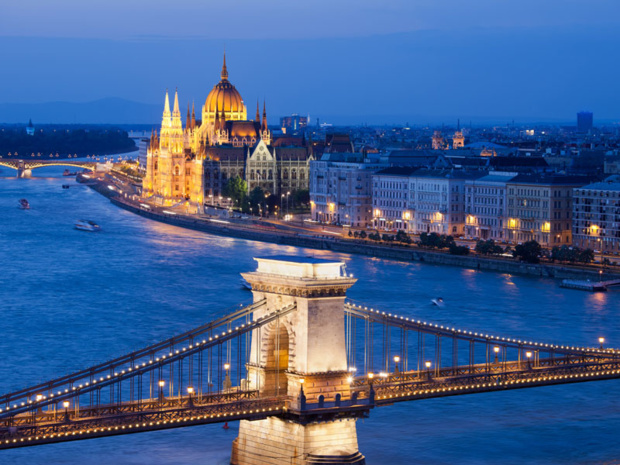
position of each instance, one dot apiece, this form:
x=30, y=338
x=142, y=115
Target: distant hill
x=103, y=111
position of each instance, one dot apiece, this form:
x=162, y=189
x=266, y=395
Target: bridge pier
x=22, y=170
x=301, y=355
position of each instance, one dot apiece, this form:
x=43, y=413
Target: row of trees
x=257, y=200
x=572, y=254
x=442, y=241
x=530, y=252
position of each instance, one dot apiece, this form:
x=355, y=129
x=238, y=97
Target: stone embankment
x=395, y=252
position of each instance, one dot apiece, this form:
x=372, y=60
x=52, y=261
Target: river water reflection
x=70, y=299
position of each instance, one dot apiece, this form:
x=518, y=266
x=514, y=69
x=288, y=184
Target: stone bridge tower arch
x=305, y=347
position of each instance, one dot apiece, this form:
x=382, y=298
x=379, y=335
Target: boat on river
x=86, y=225
x=23, y=204
x=69, y=173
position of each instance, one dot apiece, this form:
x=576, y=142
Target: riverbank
x=257, y=231
x=392, y=252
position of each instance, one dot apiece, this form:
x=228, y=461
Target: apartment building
x=540, y=208
x=596, y=216
x=485, y=206
x=341, y=190
x=418, y=200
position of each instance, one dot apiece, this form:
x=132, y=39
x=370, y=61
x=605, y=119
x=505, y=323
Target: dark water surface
x=70, y=299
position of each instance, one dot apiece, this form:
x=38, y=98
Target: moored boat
x=86, y=225
x=23, y=204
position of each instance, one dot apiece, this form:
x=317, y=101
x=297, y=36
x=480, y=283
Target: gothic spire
x=167, y=106
x=176, y=112
x=188, y=120
x=224, y=74
x=264, y=127
x=257, y=112
x=193, y=116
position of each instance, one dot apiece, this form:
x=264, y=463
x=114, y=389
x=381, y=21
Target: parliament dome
x=224, y=98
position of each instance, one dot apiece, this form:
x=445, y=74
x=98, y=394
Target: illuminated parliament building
x=193, y=163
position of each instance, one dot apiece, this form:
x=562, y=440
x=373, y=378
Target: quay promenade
x=272, y=234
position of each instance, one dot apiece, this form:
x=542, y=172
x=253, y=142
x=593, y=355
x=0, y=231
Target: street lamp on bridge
x=227, y=382
x=161, y=384
x=66, y=404
x=396, y=360
x=190, y=391
x=528, y=355
x=496, y=349
x=428, y=369
x=601, y=341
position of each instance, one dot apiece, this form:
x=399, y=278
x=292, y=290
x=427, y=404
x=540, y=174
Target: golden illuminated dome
x=224, y=98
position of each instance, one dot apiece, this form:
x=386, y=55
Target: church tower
x=438, y=142
x=458, y=141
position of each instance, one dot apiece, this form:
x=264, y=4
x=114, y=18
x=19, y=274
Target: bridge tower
x=303, y=352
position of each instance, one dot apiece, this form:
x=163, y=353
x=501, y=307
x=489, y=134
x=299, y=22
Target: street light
x=528, y=355
x=496, y=350
x=190, y=391
x=428, y=368
x=161, y=384
x=281, y=200
x=227, y=382
x=396, y=360
x=601, y=341
x=66, y=404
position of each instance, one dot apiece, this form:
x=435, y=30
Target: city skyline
x=405, y=62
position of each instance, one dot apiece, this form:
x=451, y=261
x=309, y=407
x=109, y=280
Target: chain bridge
x=25, y=167
x=298, y=367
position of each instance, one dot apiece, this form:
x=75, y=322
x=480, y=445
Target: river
x=71, y=299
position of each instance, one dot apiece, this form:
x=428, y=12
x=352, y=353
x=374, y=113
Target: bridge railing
x=379, y=342
x=181, y=365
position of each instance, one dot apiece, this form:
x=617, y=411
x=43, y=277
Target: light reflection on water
x=70, y=299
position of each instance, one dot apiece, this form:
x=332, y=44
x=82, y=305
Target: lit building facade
x=341, y=189
x=420, y=201
x=485, y=206
x=596, y=216
x=540, y=208
x=390, y=193
x=192, y=163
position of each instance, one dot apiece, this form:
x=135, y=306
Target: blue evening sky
x=391, y=60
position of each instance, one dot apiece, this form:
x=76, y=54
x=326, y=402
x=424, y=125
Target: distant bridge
x=24, y=167
x=278, y=360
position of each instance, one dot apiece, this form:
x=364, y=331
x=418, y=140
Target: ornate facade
x=193, y=163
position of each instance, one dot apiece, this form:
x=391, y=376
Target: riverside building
x=540, y=208
x=419, y=200
x=341, y=189
x=485, y=206
x=596, y=216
